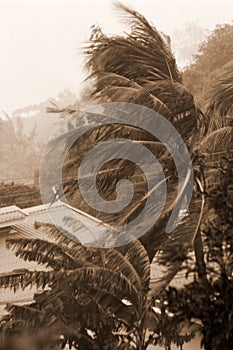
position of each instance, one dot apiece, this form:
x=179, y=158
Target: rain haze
x=41, y=41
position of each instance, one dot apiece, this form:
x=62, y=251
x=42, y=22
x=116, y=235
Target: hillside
x=23, y=136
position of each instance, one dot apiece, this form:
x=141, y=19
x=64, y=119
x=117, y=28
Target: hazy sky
x=40, y=39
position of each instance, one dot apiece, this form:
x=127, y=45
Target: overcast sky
x=40, y=39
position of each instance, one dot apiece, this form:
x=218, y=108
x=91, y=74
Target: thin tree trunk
x=199, y=255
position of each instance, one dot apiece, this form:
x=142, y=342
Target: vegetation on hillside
x=23, y=136
x=215, y=52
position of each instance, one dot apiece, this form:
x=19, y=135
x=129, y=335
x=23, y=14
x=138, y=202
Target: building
x=20, y=223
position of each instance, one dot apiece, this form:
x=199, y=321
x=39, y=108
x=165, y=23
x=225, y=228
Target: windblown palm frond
x=148, y=49
x=215, y=150
x=220, y=96
x=116, y=170
x=174, y=248
x=107, y=270
x=137, y=255
x=218, y=142
x=25, y=278
x=139, y=67
x=43, y=252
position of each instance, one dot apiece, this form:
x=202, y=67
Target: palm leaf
x=220, y=96
x=138, y=67
x=24, y=278
x=42, y=252
x=108, y=281
x=138, y=258
x=215, y=150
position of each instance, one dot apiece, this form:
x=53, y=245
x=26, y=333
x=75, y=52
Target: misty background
x=42, y=62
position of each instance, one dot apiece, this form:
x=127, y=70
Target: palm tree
x=102, y=291
x=95, y=299
x=151, y=79
x=140, y=68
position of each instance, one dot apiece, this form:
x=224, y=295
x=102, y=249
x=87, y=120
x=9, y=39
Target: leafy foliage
x=213, y=54
x=95, y=298
x=209, y=301
x=139, y=67
x=84, y=289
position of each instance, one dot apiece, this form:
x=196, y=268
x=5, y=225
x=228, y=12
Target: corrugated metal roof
x=10, y=215
x=79, y=225
x=23, y=226
x=20, y=297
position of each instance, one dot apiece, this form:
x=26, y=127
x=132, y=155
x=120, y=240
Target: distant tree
x=214, y=53
x=19, y=152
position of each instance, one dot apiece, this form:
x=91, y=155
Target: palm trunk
x=199, y=255
x=140, y=336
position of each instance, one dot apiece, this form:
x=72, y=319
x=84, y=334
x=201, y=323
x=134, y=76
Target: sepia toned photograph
x=116, y=175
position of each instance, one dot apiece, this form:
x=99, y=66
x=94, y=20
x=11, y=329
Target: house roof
x=20, y=297
x=77, y=224
x=22, y=225
x=11, y=215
